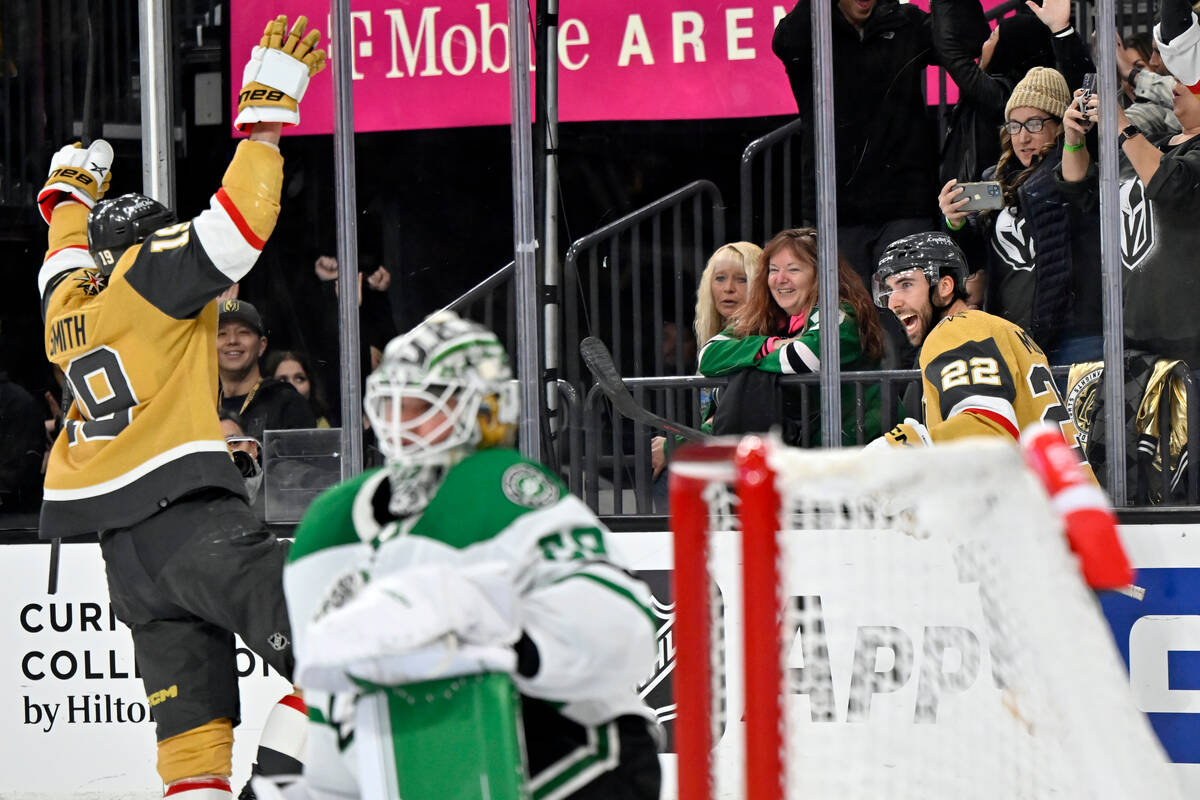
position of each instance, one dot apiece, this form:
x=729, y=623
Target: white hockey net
x=933, y=638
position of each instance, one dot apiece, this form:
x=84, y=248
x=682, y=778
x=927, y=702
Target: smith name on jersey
x=139, y=352
x=590, y=618
x=984, y=376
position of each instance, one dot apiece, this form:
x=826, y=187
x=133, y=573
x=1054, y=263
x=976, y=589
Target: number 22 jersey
x=984, y=376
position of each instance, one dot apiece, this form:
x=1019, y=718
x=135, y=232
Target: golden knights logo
x=1083, y=396
x=1137, y=223
x=91, y=282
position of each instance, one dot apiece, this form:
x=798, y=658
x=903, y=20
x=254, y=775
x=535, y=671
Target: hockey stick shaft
x=52, y=578
x=599, y=360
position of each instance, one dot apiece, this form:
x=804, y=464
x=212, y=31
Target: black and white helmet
x=442, y=391
x=935, y=254
x=118, y=224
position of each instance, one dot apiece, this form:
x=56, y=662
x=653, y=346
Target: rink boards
x=79, y=705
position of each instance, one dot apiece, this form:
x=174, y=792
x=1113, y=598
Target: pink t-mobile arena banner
x=436, y=64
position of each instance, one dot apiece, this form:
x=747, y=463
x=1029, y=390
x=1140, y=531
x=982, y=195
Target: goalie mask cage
x=913, y=625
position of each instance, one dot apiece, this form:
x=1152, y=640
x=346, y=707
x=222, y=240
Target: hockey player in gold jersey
x=981, y=375
x=128, y=298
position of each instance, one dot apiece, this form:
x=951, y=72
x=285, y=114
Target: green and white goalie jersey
x=589, y=618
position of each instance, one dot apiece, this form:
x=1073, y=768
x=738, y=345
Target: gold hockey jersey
x=139, y=352
x=984, y=376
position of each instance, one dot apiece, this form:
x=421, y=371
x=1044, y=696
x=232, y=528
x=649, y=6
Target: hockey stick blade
x=595, y=354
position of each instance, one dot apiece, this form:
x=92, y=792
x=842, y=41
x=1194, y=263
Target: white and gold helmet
x=442, y=391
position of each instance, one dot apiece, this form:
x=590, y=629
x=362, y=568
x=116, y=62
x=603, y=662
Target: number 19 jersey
x=139, y=352
x=984, y=376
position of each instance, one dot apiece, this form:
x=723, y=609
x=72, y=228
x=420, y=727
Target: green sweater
x=724, y=354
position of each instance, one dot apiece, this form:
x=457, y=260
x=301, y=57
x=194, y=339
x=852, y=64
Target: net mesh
x=937, y=641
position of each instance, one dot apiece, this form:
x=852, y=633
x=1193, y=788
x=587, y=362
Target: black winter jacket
x=973, y=128
x=276, y=404
x=886, y=143
x=1066, y=241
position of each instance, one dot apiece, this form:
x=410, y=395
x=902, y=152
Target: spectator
x=1160, y=223
x=292, y=366
x=1146, y=48
x=1042, y=253
x=1017, y=44
x=720, y=294
x=247, y=456
x=1148, y=95
x=263, y=403
x=376, y=326
x=22, y=445
x=778, y=331
x=886, y=147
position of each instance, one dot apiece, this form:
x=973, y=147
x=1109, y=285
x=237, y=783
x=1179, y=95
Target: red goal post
x=1033, y=696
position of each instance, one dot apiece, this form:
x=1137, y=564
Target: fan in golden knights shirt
x=981, y=375
x=128, y=298
x=463, y=567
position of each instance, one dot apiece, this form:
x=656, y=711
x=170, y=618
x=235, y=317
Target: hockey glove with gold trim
x=76, y=174
x=909, y=433
x=276, y=77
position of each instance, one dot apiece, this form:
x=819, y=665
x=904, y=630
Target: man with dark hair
x=129, y=301
x=981, y=375
x=886, y=145
x=263, y=403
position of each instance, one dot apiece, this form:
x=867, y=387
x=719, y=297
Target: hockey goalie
x=461, y=626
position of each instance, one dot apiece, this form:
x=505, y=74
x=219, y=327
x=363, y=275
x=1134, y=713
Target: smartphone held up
x=981, y=196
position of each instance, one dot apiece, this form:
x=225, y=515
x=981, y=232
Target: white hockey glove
x=909, y=433
x=415, y=624
x=276, y=77
x=76, y=173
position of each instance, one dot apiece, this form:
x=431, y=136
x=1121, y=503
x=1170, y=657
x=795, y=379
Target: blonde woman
x=719, y=295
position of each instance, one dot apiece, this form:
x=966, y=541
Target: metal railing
x=491, y=303
x=616, y=467
x=658, y=250
x=617, y=474
x=765, y=188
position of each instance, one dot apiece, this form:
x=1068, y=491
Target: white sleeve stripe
x=807, y=357
x=994, y=404
x=65, y=260
x=223, y=242
x=720, y=337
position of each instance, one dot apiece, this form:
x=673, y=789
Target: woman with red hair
x=778, y=331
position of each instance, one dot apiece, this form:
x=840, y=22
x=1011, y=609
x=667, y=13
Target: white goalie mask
x=442, y=391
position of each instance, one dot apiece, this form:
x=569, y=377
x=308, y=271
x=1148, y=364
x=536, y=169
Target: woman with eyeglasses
x=1041, y=253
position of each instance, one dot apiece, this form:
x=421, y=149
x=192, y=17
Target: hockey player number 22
x=979, y=370
x=1041, y=382
x=103, y=393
